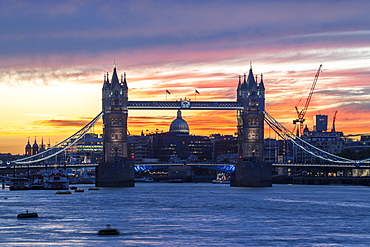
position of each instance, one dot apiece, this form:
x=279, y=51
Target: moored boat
x=94, y=188
x=55, y=179
x=84, y=175
x=36, y=182
x=221, y=179
x=19, y=183
x=63, y=192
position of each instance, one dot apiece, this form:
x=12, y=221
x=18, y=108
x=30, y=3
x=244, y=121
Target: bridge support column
x=252, y=174
x=251, y=170
x=116, y=174
x=116, y=170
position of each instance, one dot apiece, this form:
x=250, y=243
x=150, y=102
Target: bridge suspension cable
x=285, y=134
x=60, y=147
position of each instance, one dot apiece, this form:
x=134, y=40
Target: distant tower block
x=116, y=170
x=320, y=123
x=251, y=171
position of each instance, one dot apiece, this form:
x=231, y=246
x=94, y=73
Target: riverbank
x=323, y=180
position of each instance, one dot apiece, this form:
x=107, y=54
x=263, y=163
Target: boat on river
x=19, y=183
x=84, y=175
x=27, y=215
x=108, y=231
x=55, y=179
x=221, y=179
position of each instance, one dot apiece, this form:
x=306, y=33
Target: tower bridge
x=117, y=168
x=250, y=105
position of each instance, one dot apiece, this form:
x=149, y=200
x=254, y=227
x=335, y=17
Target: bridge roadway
x=198, y=164
x=96, y=164
x=338, y=165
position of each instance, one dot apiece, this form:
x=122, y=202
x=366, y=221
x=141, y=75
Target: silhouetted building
x=179, y=145
x=88, y=149
x=35, y=148
x=28, y=148
x=225, y=147
x=320, y=123
x=138, y=146
x=331, y=141
x=42, y=146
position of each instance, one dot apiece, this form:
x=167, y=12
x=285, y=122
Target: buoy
x=108, y=231
x=28, y=215
x=63, y=192
x=94, y=188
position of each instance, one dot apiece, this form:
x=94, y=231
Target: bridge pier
x=115, y=174
x=252, y=174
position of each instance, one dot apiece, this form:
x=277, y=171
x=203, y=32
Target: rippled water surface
x=160, y=214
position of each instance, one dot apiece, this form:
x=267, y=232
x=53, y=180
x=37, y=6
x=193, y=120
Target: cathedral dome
x=179, y=125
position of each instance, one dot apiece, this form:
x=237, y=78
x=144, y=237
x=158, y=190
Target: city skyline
x=55, y=56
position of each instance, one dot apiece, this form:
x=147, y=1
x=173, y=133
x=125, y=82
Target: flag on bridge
x=168, y=91
x=196, y=91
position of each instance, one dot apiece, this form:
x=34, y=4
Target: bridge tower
x=116, y=169
x=251, y=171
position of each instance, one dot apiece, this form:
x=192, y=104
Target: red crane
x=300, y=114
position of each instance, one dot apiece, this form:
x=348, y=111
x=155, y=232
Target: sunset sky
x=54, y=54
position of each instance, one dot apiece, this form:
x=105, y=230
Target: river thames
x=189, y=214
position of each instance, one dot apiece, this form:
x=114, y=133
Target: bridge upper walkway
x=185, y=104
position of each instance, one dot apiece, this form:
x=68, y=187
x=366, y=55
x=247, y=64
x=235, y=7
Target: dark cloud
x=34, y=27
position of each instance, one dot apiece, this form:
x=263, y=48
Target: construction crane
x=298, y=123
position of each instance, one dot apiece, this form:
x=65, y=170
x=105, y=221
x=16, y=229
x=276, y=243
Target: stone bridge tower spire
x=117, y=169
x=251, y=169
